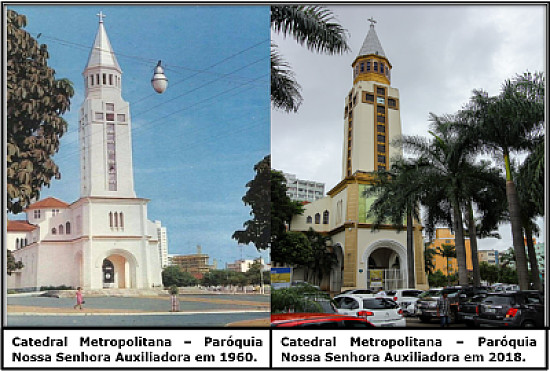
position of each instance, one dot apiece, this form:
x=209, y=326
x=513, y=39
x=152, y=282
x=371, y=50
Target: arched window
x=309, y=220
x=111, y=219
x=17, y=244
x=325, y=217
x=60, y=228
x=54, y=231
x=25, y=240
x=121, y=216
x=317, y=218
x=68, y=228
x=116, y=219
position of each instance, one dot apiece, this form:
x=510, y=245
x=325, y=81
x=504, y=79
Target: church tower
x=366, y=258
x=371, y=112
x=105, y=126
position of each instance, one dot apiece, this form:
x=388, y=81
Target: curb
x=133, y=313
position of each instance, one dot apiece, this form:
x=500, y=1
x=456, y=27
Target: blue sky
x=195, y=146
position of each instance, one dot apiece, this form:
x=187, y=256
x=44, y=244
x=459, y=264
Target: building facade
x=371, y=122
x=303, y=190
x=243, y=265
x=444, y=236
x=104, y=239
x=488, y=256
x=196, y=264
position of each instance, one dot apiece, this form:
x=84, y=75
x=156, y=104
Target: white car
x=380, y=311
x=406, y=298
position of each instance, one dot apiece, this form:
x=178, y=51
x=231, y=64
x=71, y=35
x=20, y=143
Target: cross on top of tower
x=101, y=16
x=372, y=21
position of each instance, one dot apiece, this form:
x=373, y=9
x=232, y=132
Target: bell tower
x=371, y=114
x=106, y=168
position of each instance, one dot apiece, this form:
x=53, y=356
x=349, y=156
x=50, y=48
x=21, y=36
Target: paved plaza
x=195, y=310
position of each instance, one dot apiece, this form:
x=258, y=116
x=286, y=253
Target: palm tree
x=507, y=123
x=310, y=25
x=429, y=254
x=447, y=251
x=398, y=195
x=531, y=196
x=447, y=178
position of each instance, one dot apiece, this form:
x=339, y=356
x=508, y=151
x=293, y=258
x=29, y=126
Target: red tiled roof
x=20, y=226
x=49, y=203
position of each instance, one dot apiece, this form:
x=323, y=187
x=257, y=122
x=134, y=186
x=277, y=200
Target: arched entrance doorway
x=118, y=270
x=386, y=265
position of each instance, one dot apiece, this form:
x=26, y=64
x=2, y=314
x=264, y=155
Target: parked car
x=505, y=288
x=380, y=311
x=468, y=309
x=357, y=292
x=406, y=298
x=318, y=320
x=512, y=309
x=426, y=305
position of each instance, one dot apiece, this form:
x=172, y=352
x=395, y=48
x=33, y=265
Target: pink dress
x=78, y=298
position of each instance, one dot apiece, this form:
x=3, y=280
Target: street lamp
x=159, y=80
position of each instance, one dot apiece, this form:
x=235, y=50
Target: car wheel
x=424, y=319
x=528, y=324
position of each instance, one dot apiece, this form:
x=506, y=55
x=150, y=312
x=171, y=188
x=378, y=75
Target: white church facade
x=104, y=239
x=366, y=259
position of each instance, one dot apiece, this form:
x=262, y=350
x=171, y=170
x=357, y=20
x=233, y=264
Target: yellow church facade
x=444, y=236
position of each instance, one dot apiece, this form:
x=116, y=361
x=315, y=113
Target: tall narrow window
x=110, y=79
x=97, y=79
x=376, y=66
x=116, y=219
x=309, y=219
x=317, y=218
x=17, y=244
x=54, y=231
x=362, y=67
x=104, y=79
x=368, y=66
x=61, y=229
x=68, y=228
x=92, y=80
x=325, y=217
x=121, y=216
x=111, y=219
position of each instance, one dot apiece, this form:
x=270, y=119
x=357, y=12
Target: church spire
x=102, y=54
x=372, y=44
x=371, y=64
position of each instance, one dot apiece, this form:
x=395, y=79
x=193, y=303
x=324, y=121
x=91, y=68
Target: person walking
x=444, y=310
x=79, y=300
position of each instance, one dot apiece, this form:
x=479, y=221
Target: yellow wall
x=444, y=236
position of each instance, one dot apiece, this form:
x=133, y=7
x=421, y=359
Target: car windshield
x=430, y=293
x=498, y=300
x=379, y=303
x=450, y=292
x=411, y=293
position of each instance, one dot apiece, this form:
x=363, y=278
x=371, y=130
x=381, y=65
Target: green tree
x=398, y=194
x=530, y=187
x=312, y=26
x=296, y=299
x=438, y=279
x=444, y=184
x=508, y=123
x=447, y=251
x=173, y=275
x=35, y=101
x=257, y=230
x=429, y=255
x=323, y=259
x=11, y=264
x=489, y=272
